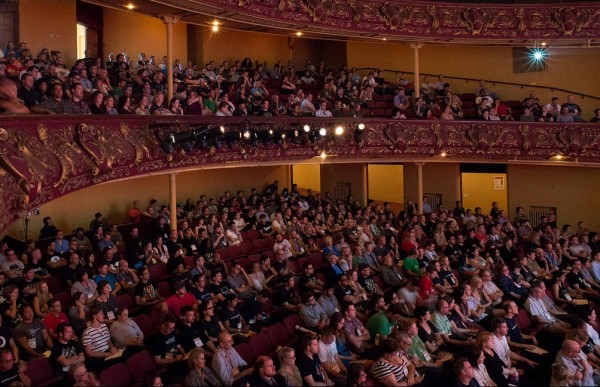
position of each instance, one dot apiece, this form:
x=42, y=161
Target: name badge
x=568, y=297
x=426, y=356
x=193, y=247
x=32, y=343
x=198, y=343
x=110, y=315
x=239, y=325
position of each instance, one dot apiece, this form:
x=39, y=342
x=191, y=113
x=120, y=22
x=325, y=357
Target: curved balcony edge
x=43, y=158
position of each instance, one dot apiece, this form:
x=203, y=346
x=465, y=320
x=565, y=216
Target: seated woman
x=125, y=332
x=392, y=368
x=78, y=313
x=200, y=374
x=106, y=301
x=499, y=372
x=175, y=107
x=96, y=107
x=40, y=300
x=158, y=108
x=194, y=104
x=124, y=106
x=142, y=108
x=447, y=114
x=288, y=369
x=85, y=285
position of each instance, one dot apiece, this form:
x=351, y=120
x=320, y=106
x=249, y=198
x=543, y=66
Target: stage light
x=222, y=129
x=246, y=135
x=323, y=132
x=538, y=54
x=361, y=126
x=339, y=130
x=306, y=128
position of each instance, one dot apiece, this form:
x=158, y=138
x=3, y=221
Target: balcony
x=43, y=157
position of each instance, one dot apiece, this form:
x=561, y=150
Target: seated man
x=265, y=374
x=96, y=339
x=227, y=364
x=13, y=267
x=308, y=363
x=167, y=349
x=311, y=313
x=54, y=318
x=536, y=307
x=66, y=350
x=180, y=299
x=231, y=316
x=308, y=280
x=192, y=334
x=31, y=335
x=127, y=277
x=329, y=357
x=12, y=371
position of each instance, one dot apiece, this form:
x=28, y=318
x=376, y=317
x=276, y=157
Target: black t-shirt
x=8, y=377
x=203, y=296
x=9, y=323
x=188, y=335
x=310, y=366
x=341, y=292
x=305, y=279
x=67, y=350
x=233, y=316
x=251, y=308
x=264, y=227
x=513, y=330
x=285, y=295
x=446, y=275
x=575, y=279
x=211, y=327
x=165, y=344
x=28, y=285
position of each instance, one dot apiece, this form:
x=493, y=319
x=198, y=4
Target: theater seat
x=141, y=365
x=260, y=344
x=246, y=353
x=41, y=374
x=116, y=375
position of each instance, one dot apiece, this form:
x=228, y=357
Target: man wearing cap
x=180, y=299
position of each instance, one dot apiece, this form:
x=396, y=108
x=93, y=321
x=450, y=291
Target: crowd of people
x=44, y=84
x=424, y=297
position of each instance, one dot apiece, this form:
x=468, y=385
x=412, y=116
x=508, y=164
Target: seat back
x=125, y=300
x=246, y=353
x=39, y=371
x=290, y=323
x=145, y=324
x=277, y=335
x=260, y=344
x=141, y=365
x=157, y=272
x=115, y=375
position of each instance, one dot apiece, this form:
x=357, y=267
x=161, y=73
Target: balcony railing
x=43, y=158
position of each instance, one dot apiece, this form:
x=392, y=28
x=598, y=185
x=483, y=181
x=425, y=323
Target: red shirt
x=426, y=287
x=51, y=321
x=175, y=303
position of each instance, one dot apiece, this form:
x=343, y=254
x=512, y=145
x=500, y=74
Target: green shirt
x=417, y=348
x=411, y=264
x=379, y=324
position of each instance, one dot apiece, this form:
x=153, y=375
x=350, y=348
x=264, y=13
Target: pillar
x=173, y=200
x=417, y=83
x=169, y=21
x=420, y=186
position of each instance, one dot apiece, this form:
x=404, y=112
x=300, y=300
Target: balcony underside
x=43, y=158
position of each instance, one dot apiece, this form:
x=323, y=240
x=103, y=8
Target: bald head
x=570, y=348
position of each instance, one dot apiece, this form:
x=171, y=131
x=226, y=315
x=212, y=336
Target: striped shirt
x=97, y=338
x=382, y=369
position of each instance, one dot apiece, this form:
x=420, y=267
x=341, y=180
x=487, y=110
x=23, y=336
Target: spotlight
x=222, y=129
x=339, y=130
x=168, y=144
x=323, y=132
x=538, y=54
x=215, y=26
x=323, y=155
x=130, y=6
x=299, y=33
x=306, y=128
x=246, y=135
x=361, y=126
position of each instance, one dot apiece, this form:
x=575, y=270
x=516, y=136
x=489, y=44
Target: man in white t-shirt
x=329, y=357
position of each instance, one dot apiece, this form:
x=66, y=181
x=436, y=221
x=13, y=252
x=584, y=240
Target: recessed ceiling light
x=299, y=33
x=130, y=6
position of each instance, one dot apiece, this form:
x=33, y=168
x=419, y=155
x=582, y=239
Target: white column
x=420, y=186
x=417, y=83
x=169, y=21
x=173, y=200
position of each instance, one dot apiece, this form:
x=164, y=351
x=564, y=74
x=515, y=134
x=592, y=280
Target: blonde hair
x=43, y=298
x=283, y=353
x=193, y=358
